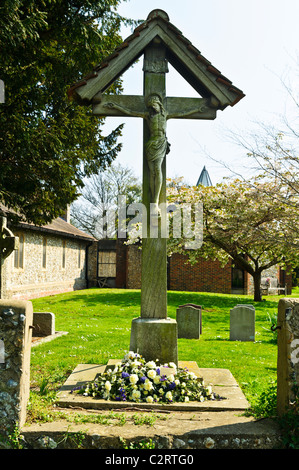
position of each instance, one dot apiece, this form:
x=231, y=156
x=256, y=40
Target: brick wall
x=133, y=267
x=121, y=265
x=204, y=276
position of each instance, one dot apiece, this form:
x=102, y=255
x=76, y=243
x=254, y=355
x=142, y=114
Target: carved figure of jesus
x=157, y=146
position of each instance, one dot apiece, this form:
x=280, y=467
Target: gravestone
x=189, y=320
x=242, y=323
x=43, y=324
x=16, y=335
x=154, y=334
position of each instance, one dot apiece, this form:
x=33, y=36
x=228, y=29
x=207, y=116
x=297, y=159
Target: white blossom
x=148, y=385
x=108, y=385
x=151, y=365
x=133, y=378
x=151, y=374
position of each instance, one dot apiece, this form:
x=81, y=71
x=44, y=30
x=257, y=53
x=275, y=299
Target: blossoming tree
x=246, y=222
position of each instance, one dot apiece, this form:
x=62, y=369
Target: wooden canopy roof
x=181, y=54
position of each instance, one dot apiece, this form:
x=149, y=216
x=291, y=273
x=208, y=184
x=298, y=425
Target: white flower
x=157, y=379
x=108, y=385
x=130, y=355
x=135, y=363
x=177, y=382
x=192, y=375
x=136, y=395
x=149, y=399
x=168, y=396
x=148, y=385
x=133, y=379
x=170, y=378
x=186, y=399
x=151, y=374
x=172, y=364
x=151, y=365
x=161, y=391
x=209, y=390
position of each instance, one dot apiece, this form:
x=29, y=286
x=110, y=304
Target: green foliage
x=264, y=404
x=48, y=144
x=272, y=321
x=150, y=444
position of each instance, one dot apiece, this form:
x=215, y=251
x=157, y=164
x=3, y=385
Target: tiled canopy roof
x=181, y=53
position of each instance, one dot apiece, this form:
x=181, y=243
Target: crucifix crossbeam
x=153, y=334
x=135, y=106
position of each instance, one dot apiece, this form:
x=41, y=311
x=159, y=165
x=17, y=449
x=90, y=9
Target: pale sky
x=253, y=43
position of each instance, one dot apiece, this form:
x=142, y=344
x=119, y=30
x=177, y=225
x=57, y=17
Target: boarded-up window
x=44, y=252
x=79, y=256
x=19, y=253
x=107, y=264
x=63, y=253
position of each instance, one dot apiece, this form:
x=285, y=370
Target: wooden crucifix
x=153, y=334
x=155, y=108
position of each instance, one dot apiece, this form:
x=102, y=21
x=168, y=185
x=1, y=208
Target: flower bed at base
x=134, y=379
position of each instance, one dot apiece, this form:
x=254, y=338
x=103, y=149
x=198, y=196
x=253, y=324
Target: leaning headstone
x=43, y=324
x=242, y=323
x=15, y=334
x=189, y=321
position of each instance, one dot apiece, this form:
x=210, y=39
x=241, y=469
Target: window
x=79, y=256
x=19, y=253
x=237, y=278
x=44, y=252
x=107, y=264
x=63, y=253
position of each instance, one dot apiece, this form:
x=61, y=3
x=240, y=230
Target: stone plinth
x=155, y=339
x=221, y=380
x=288, y=354
x=242, y=323
x=16, y=336
x=189, y=321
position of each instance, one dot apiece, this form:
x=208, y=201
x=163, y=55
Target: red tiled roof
x=161, y=16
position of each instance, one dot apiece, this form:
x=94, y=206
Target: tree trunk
x=257, y=286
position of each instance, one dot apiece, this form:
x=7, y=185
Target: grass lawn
x=98, y=322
